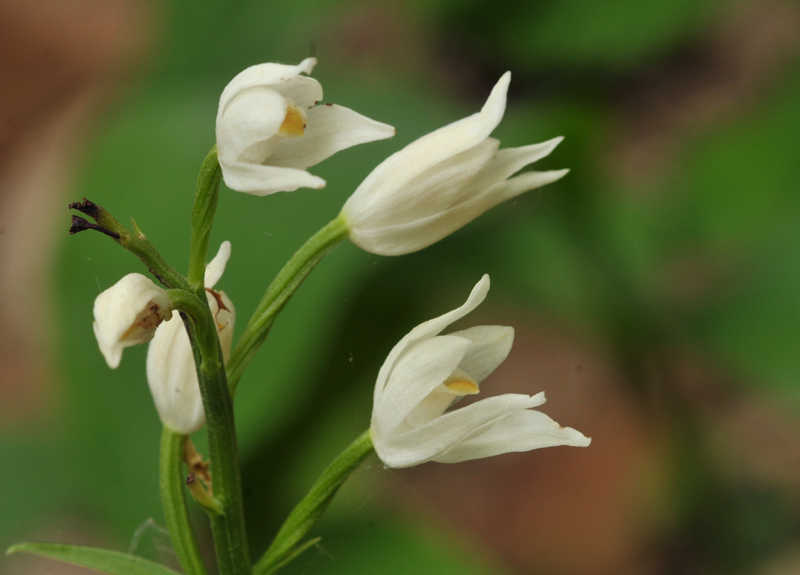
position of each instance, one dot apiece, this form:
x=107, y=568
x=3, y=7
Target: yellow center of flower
x=294, y=123
x=461, y=384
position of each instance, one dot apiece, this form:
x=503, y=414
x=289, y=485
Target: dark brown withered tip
x=87, y=207
x=80, y=224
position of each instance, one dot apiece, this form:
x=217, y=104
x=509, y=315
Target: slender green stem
x=278, y=293
x=173, y=498
x=135, y=242
x=227, y=526
x=203, y=211
x=310, y=509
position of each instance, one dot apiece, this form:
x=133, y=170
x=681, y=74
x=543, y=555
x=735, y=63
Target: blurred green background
x=654, y=289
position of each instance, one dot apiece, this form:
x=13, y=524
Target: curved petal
x=432, y=440
x=305, y=92
x=518, y=431
x=262, y=75
x=127, y=314
x=491, y=345
x=423, y=367
x=172, y=378
x=330, y=128
x=428, y=329
x=434, y=405
x=216, y=267
x=254, y=117
x=431, y=149
x=261, y=180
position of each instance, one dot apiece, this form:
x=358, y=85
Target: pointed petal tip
x=496, y=102
x=307, y=65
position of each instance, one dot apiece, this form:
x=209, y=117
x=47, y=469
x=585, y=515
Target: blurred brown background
x=654, y=290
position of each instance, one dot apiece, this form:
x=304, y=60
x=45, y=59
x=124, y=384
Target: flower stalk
x=173, y=499
x=135, y=242
x=305, y=515
x=278, y=293
x=203, y=212
x=230, y=540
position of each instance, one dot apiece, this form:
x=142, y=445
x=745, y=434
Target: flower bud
x=442, y=181
x=127, y=314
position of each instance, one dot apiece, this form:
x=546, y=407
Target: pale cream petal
x=262, y=75
x=518, y=431
x=511, y=160
x=525, y=182
x=414, y=235
x=422, y=368
x=127, y=314
x=172, y=378
x=330, y=129
x=429, y=329
x=433, y=191
x=253, y=118
x=263, y=180
x=216, y=267
x=491, y=345
x=434, y=405
x=434, y=439
x=428, y=151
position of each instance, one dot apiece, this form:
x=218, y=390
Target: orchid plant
x=270, y=129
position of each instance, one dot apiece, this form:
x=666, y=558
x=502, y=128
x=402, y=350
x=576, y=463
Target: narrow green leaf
x=103, y=560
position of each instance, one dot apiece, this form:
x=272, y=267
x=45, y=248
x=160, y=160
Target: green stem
x=313, y=505
x=135, y=242
x=227, y=526
x=173, y=498
x=203, y=211
x=278, y=293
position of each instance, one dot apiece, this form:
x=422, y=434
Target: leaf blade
x=103, y=560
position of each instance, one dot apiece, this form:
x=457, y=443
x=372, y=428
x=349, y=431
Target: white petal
x=420, y=370
x=429, y=193
x=330, y=129
x=429, y=150
x=429, y=329
x=491, y=345
x=415, y=235
x=432, y=440
x=263, y=75
x=518, y=431
x=511, y=160
x=263, y=180
x=216, y=267
x=434, y=405
x=173, y=380
x=127, y=314
x=524, y=183
x=248, y=130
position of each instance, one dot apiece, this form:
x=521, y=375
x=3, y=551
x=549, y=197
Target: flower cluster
x=270, y=129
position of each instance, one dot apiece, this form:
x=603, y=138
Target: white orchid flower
x=127, y=314
x=171, y=371
x=270, y=129
x=425, y=373
x=442, y=181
